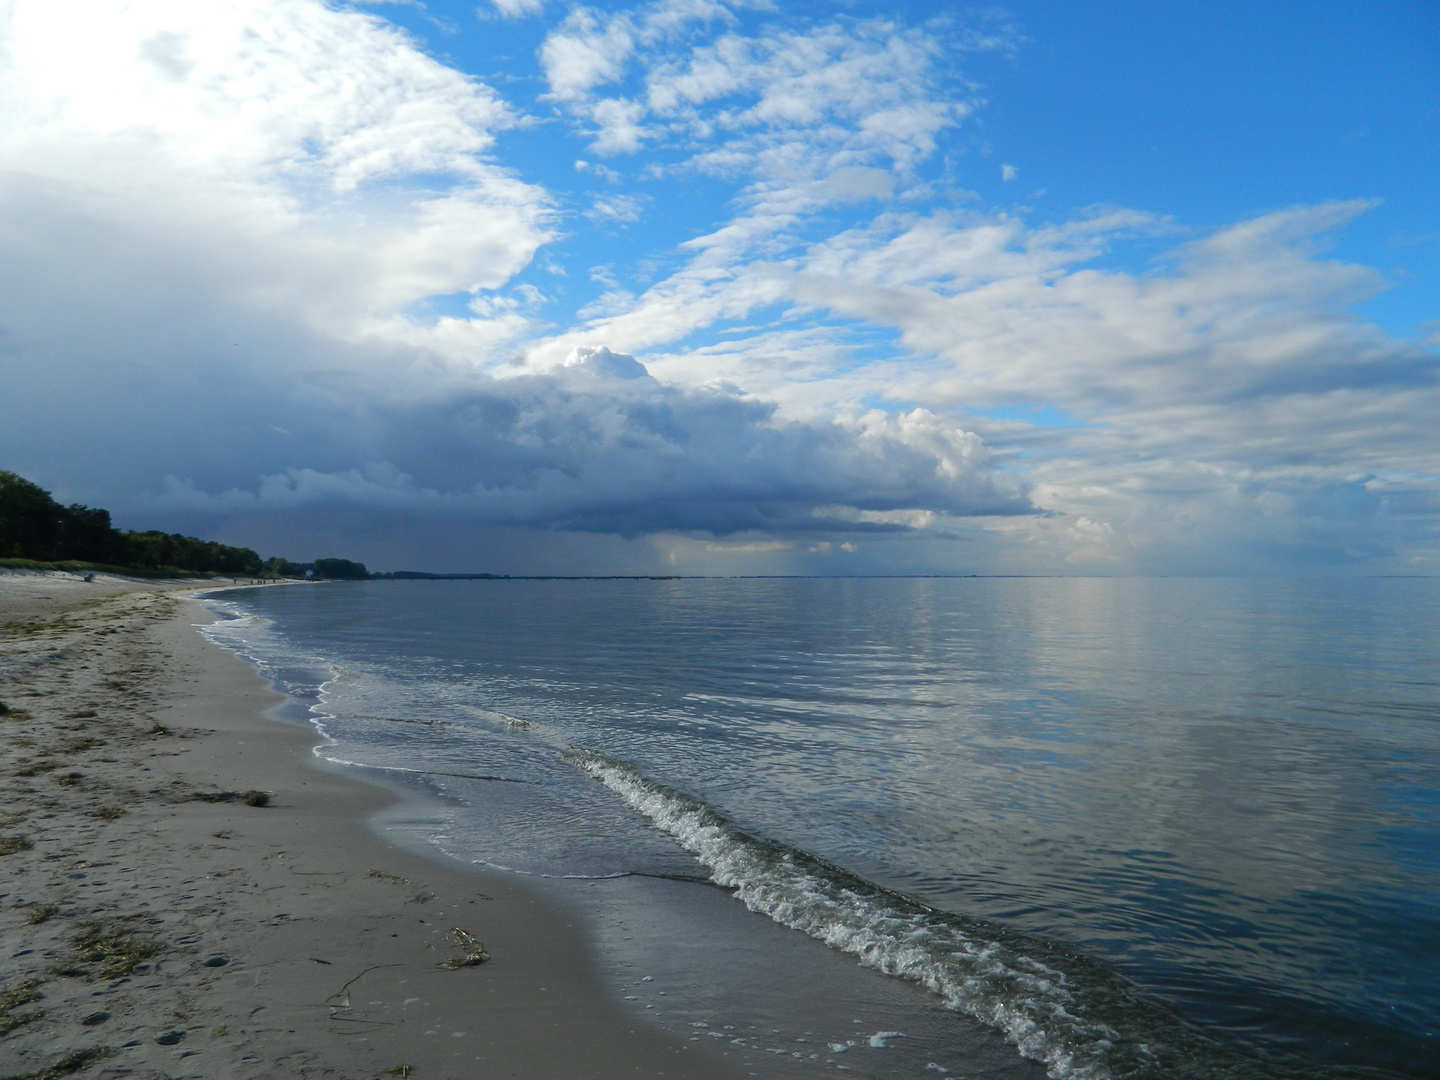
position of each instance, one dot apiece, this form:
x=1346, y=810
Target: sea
x=1099, y=828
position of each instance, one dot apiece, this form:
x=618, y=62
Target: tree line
x=33, y=526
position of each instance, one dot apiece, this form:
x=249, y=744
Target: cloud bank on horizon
x=680, y=285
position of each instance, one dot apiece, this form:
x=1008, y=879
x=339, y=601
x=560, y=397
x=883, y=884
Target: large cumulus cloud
x=599, y=445
x=217, y=221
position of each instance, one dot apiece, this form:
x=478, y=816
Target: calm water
x=1143, y=828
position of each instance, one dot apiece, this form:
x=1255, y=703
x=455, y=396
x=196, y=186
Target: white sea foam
x=250, y=637
x=982, y=971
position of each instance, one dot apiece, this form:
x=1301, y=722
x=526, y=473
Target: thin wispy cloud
x=518, y=9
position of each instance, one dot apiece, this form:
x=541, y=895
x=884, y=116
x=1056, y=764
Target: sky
x=697, y=287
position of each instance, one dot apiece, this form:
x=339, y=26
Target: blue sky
x=733, y=288
x=1207, y=113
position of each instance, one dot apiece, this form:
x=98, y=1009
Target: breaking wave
x=1080, y=1018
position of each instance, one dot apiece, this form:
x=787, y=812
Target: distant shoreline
x=415, y=575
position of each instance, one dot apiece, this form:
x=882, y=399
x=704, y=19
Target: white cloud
x=588, y=50
x=518, y=9
x=265, y=89
x=1239, y=314
x=604, y=172
x=750, y=547
x=861, y=94
x=621, y=209
x=620, y=130
x=802, y=119
x=278, y=142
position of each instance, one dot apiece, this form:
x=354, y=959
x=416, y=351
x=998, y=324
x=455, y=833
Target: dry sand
x=155, y=925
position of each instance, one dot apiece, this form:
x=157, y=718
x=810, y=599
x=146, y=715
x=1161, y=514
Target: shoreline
x=683, y=952
x=157, y=924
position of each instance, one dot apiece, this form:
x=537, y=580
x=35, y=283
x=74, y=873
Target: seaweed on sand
x=249, y=798
x=12, y=1000
x=473, y=951
x=70, y=1063
x=114, y=949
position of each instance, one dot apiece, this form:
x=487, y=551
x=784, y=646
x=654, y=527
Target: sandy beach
x=184, y=892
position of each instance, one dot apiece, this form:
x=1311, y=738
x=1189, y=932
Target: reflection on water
x=1224, y=788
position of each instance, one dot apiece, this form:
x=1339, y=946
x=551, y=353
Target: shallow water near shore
x=1128, y=828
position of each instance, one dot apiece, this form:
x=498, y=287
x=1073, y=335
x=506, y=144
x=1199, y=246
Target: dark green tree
x=34, y=526
x=29, y=520
x=339, y=568
x=155, y=549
